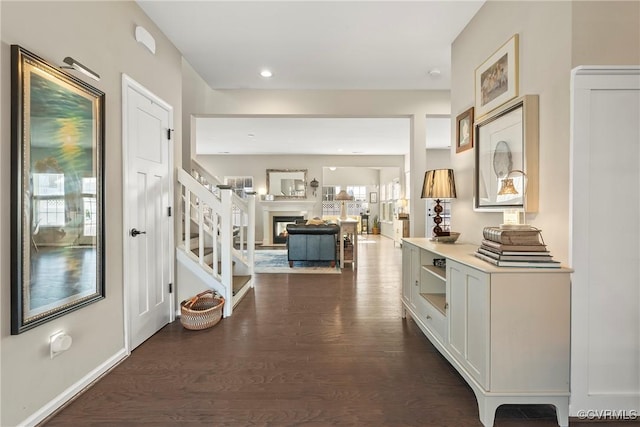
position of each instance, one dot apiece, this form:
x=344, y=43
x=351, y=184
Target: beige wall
x=545, y=66
x=100, y=35
x=554, y=38
x=606, y=32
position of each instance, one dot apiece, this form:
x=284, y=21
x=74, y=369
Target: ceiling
x=372, y=45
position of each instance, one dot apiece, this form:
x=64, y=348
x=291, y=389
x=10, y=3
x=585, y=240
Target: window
x=48, y=194
x=332, y=207
x=89, y=206
x=359, y=193
x=239, y=184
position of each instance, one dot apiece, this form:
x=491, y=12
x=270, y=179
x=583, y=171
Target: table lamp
x=438, y=184
x=511, y=218
x=343, y=196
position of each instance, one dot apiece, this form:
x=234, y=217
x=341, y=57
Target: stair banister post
x=226, y=239
x=187, y=219
x=201, y=232
x=251, y=232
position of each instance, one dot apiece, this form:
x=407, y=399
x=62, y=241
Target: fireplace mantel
x=281, y=208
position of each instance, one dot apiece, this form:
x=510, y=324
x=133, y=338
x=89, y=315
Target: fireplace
x=280, y=227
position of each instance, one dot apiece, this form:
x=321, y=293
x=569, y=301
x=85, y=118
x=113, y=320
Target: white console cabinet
x=506, y=330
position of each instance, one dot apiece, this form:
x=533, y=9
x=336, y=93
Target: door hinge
x=169, y=134
x=169, y=210
x=170, y=288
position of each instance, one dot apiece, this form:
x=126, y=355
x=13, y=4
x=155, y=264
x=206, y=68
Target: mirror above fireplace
x=287, y=183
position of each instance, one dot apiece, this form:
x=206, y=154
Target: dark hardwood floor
x=300, y=350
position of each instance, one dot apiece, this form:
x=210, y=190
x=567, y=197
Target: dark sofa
x=312, y=243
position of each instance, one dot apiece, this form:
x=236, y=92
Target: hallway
x=304, y=350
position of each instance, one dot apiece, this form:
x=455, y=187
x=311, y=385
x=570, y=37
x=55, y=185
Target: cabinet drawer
x=432, y=318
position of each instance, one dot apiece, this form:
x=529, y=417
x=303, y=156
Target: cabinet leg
x=487, y=411
x=562, y=413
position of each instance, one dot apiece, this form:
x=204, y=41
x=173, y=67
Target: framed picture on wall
x=464, y=131
x=496, y=79
x=57, y=192
x=507, y=148
x=373, y=197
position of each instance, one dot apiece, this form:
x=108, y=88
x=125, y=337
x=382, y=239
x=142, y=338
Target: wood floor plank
x=300, y=350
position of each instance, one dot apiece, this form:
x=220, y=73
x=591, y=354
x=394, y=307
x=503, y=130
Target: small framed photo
x=496, y=80
x=464, y=131
x=373, y=197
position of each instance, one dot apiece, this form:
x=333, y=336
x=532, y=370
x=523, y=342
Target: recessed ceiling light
x=434, y=72
x=266, y=73
x=251, y=135
x=332, y=168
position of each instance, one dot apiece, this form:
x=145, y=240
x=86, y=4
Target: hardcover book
x=522, y=264
x=512, y=237
x=517, y=256
x=514, y=248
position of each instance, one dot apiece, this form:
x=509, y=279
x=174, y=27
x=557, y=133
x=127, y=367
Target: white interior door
x=148, y=254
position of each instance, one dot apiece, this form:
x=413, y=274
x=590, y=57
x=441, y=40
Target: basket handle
x=194, y=299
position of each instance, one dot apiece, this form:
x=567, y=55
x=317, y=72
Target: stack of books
x=515, y=248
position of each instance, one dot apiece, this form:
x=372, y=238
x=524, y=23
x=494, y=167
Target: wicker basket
x=202, y=311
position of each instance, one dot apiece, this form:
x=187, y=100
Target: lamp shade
x=439, y=184
x=343, y=195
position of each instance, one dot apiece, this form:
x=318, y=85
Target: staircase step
x=207, y=251
x=239, y=282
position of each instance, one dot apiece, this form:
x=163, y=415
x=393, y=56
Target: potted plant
x=375, y=228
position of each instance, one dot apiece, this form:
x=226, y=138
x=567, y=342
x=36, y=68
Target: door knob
x=135, y=232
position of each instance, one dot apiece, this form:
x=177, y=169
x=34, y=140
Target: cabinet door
x=406, y=272
x=410, y=274
x=468, y=292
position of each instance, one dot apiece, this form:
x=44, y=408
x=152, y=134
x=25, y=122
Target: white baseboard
x=72, y=391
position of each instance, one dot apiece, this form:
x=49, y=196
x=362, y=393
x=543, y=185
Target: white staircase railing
x=218, y=235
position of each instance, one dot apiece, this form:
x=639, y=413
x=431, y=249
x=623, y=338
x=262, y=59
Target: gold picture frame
x=464, y=131
x=496, y=79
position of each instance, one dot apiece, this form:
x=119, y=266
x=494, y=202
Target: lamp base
x=343, y=211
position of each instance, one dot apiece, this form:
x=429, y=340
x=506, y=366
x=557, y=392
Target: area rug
x=275, y=261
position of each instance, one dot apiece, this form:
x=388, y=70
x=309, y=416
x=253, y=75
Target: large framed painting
x=496, y=80
x=507, y=147
x=57, y=192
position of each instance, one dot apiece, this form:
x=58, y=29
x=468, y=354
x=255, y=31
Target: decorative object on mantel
x=438, y=184
x=314, y=184
x=343, y=196
x=515, y=248
x=497, y=78
x=514, y=218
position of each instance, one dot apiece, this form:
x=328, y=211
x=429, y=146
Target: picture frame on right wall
x=507, y=142
x=464, y=131
x=496, y=79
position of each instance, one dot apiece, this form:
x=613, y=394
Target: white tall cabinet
x=505, y=330
x=605, y=241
